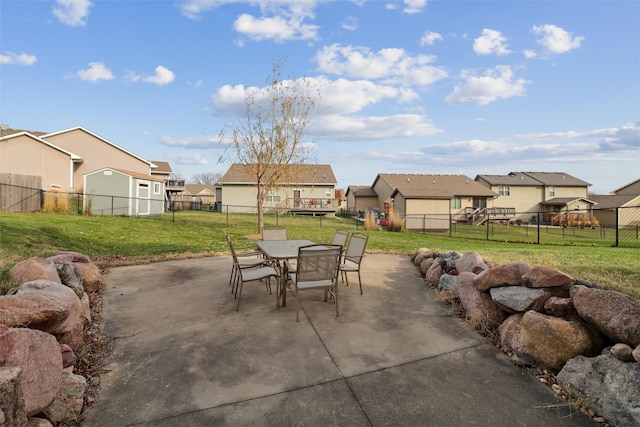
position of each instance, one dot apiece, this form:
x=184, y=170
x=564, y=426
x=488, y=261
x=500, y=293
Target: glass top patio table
x=282, y=250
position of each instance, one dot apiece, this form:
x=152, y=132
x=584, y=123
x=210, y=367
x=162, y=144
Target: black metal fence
x=618, y=226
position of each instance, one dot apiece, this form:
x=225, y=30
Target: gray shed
x=110, y=191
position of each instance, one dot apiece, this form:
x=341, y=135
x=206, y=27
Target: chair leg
x=336, y=297
x=360, y=281
x=297, y=305
x=239, y=296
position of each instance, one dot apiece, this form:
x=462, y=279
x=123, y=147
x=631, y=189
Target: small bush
x=55, y=203
x=396, y=224
x=371, y=223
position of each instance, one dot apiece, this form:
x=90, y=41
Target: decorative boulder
x=607, y=385
x=69, y=256
x=470, y=261
x=503, y=275
x=12, y=412
x=432, y=277
x=517, y=299
x=70, y=276
x=91, y=277
x=48, y=306
x=560, y=307
x=545, y=277
x=67, y=404
x=477, y=304
x=448, y=283
x=33, y=269
x=425, y=264
x=448, y=260
x=512, y=341
x=622, y=352
x=38, y=355
x=613, y=314
x=552, y=341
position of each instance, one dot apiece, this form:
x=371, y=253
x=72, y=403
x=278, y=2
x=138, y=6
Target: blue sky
x=414, y=86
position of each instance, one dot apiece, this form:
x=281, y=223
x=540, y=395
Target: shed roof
x=301, y=174
x=608, y=201
x=626, y=185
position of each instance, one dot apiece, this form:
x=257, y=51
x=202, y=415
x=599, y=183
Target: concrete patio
x=395, y=356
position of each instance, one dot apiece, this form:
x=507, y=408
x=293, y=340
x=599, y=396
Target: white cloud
x=414, y=6
x=11, y=58
x=188, y=158
x=72, y=12
x=556, y=40
x=491, y=42
x=276, y=28
x=368, y=128
x=429, y=38
x=191, y=142
x=350, y=23
x=391, y=65
x=529, y=54
x=339, y=96
x=96, y=72
x=162, y=77
x=496, y=83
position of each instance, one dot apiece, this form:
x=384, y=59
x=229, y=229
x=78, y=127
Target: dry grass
x=55, y=203
x=396, y=223
x=371, y=223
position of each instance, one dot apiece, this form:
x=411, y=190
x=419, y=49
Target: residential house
x=96, y=153
x=196, y=197
x=630, y=188
x=111, y=191
x=617, y=210
x=172, y=186
x=432, y=202
x=23, y=153
x=360, y=198
x=529, y=193
x=305, y=188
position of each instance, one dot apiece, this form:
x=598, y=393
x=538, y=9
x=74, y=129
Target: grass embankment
x=122, y=240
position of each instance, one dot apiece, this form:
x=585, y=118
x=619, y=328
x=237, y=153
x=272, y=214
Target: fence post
x=450, y=225
x=486, y=219
x=424, y=224
x=617, y=226
x=227, y=216
x=538, y=221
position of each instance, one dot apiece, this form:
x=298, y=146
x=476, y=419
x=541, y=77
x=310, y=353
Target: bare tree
x=206, y=178
x=269, y=137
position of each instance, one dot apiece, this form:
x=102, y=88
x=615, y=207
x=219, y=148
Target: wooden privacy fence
x=20, y=193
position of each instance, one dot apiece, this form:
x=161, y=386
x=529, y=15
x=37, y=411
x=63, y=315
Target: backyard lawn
x=121, y=240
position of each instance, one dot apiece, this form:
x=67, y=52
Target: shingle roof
x=608, y=201
x=297, y=174
x=561, y=201
x=363, y=190
x=559, y=179
x=435, y=186
x=626, y=185
x=161, y=167
x=199, y=188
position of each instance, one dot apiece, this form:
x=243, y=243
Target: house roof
x=608, y=201
x=199, y=188
x=626, y=185
x=435, y=186
x=562, y=201
x=74, y=157
x=301, y=174
x=161, y=167
x=11, y=131
x=558, y=179
x=80, y=128
x=362, y=190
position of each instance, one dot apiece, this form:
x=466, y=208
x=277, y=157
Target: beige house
x=622, y=210
x=631, y=188
x=196, y=197
x=96, y=152
x=528, y=193
x=305, y=189
x=23, y=153
x=359, y=198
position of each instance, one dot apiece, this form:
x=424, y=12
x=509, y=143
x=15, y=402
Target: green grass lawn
x=188, y=234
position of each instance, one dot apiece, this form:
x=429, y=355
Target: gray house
x=111, y=191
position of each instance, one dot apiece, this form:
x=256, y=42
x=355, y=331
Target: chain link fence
x=618, y=226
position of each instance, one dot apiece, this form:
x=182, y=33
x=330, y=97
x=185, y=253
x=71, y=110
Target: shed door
x=143, y=201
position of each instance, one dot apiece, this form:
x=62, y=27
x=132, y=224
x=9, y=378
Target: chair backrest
x=340, y=238
x=318, y=263
x=233, y=252
x=274, y=234
x=355, y=250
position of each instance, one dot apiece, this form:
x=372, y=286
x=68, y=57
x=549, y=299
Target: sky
x=414, y=86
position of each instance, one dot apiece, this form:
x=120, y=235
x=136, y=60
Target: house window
x=456, y=203
x=328, y=193
x=156, y=188
x=272, y=197
x=504, y=190
x=552, y=190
